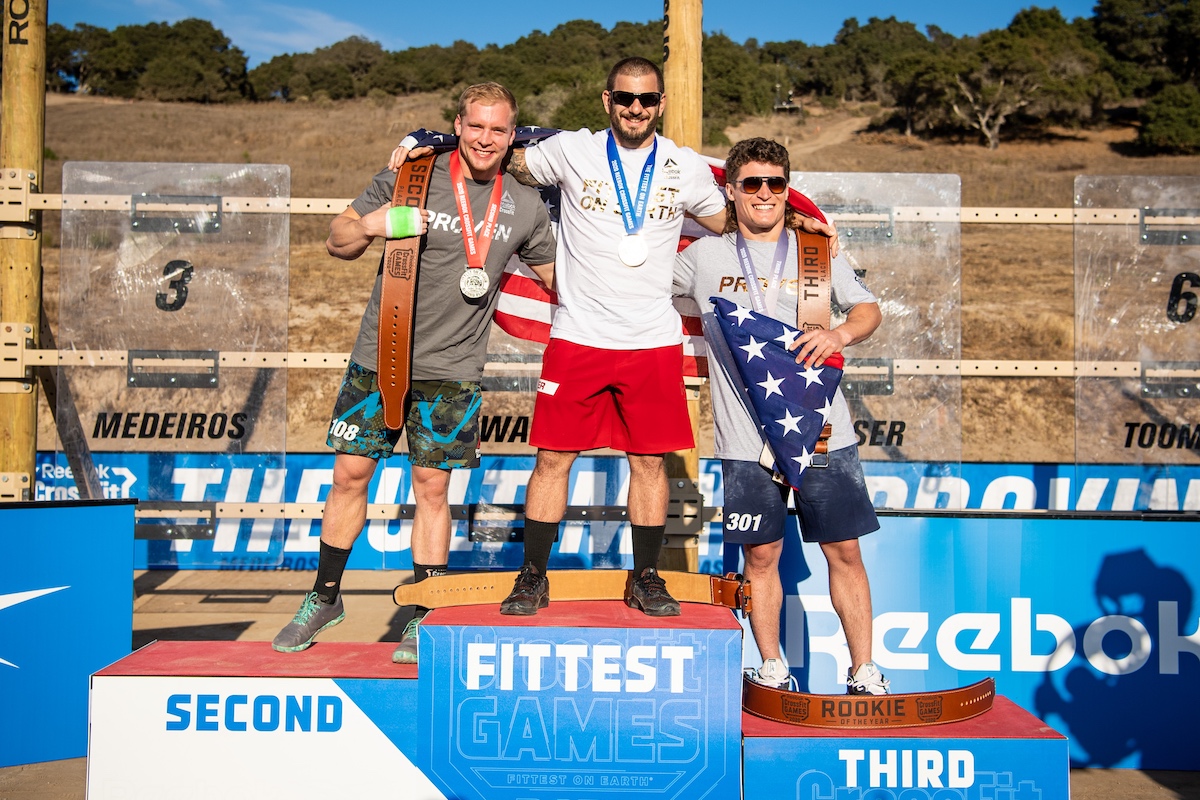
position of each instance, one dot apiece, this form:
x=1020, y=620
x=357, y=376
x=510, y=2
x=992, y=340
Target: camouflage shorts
x=442, y=423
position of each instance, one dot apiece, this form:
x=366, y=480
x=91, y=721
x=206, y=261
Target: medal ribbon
x=477, y=250
x=763, y=304
x=633, y=212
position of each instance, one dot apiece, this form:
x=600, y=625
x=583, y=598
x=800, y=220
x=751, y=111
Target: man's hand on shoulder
x=402, y=154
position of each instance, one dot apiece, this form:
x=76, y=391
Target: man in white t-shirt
x=612, y=375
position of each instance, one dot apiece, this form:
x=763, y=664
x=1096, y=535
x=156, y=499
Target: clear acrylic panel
x=1137, y=338
x=901, y=232
x=173, y=278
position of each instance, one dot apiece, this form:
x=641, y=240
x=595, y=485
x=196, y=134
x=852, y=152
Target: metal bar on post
x=683, y=122
x=22, y=143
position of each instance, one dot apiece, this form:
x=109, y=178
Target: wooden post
x=22, y=142
x=683, y=76
x=683, y=72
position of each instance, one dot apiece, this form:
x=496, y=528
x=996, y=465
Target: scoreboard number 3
x=180, y=273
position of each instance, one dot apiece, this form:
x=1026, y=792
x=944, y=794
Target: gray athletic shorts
x=442, y=422
x=833, y=503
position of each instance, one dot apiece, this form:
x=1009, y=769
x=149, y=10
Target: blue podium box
x=583, y=699
x=1004, y=753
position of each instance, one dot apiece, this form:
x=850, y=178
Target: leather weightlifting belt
x=815, y=272
x=400, y=262
x=483, y=588
x=846, y=711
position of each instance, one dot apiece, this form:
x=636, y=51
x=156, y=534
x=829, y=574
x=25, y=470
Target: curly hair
x=756, y=150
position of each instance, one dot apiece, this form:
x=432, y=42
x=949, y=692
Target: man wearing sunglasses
x=754, y=265
x=612, y=375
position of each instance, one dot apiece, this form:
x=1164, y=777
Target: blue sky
x=266, y=29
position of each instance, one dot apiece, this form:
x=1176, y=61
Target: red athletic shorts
x=630, y=400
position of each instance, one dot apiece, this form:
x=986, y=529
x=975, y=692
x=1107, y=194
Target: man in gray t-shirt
x=473, y=222
x=755, y=265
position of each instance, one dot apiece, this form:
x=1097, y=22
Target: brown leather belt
x=867, y=711
x=482, y=588
x=815, y=271
x=400, y=262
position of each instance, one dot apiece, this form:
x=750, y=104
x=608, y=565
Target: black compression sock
x=539, y=541
x=647, y=542
x=330, y=567
x=423, y=571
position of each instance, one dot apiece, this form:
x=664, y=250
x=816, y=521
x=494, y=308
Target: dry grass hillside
x=1017, y=281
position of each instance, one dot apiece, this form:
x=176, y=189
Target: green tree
x=917, y=82
x=117, y=64
x=270, y=79
x=1135, y=32
x=995, y=78
x=1039, y=68
x=359, y=56
x=582, y=109
x=735, y=85
x=1171, y=121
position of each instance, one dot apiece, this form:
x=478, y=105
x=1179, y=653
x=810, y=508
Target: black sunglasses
x=776, y=183
x=647, y=99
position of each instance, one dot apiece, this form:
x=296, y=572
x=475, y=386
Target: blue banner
x=596, y=481
x=66, y=610
x=1091, y=624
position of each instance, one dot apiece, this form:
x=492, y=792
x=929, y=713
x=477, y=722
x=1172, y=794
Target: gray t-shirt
x=450, y=331
x=709, y=267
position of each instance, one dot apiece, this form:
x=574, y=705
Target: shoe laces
x=309, y=607
x=651, y=582
x=870, y=676
x=527, y=580
x=410, y=630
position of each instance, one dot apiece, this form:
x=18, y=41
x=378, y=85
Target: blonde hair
x=488, y=94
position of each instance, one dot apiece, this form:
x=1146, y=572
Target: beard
x=632, y=135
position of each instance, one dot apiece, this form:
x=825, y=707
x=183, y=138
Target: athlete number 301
x=743, y=522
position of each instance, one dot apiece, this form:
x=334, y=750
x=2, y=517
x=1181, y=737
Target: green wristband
x=402, y=222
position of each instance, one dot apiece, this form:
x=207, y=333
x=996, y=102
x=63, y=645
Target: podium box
x=238, y=720
x=1006, y=752
x=582, y=699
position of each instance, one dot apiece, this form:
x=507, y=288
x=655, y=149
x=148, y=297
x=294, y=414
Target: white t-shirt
x=601, y=302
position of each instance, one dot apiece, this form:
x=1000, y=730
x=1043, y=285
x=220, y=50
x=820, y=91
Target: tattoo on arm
x=518, y=169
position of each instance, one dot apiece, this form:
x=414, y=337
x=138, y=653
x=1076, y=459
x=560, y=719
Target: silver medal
x=632, y=251
x=473, y=283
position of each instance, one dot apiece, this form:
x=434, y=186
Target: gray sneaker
x=312, y=618
x=406, y=651
x=773, y=672
x=867, y=680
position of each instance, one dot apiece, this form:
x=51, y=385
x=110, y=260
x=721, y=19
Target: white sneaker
x=867, y=680
x=773, y=672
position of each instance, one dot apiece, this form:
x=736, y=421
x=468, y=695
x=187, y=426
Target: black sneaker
x=531, y=591
x=648, y=591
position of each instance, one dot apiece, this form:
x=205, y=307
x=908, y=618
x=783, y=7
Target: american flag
x=791, y=402
x=526, y=306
